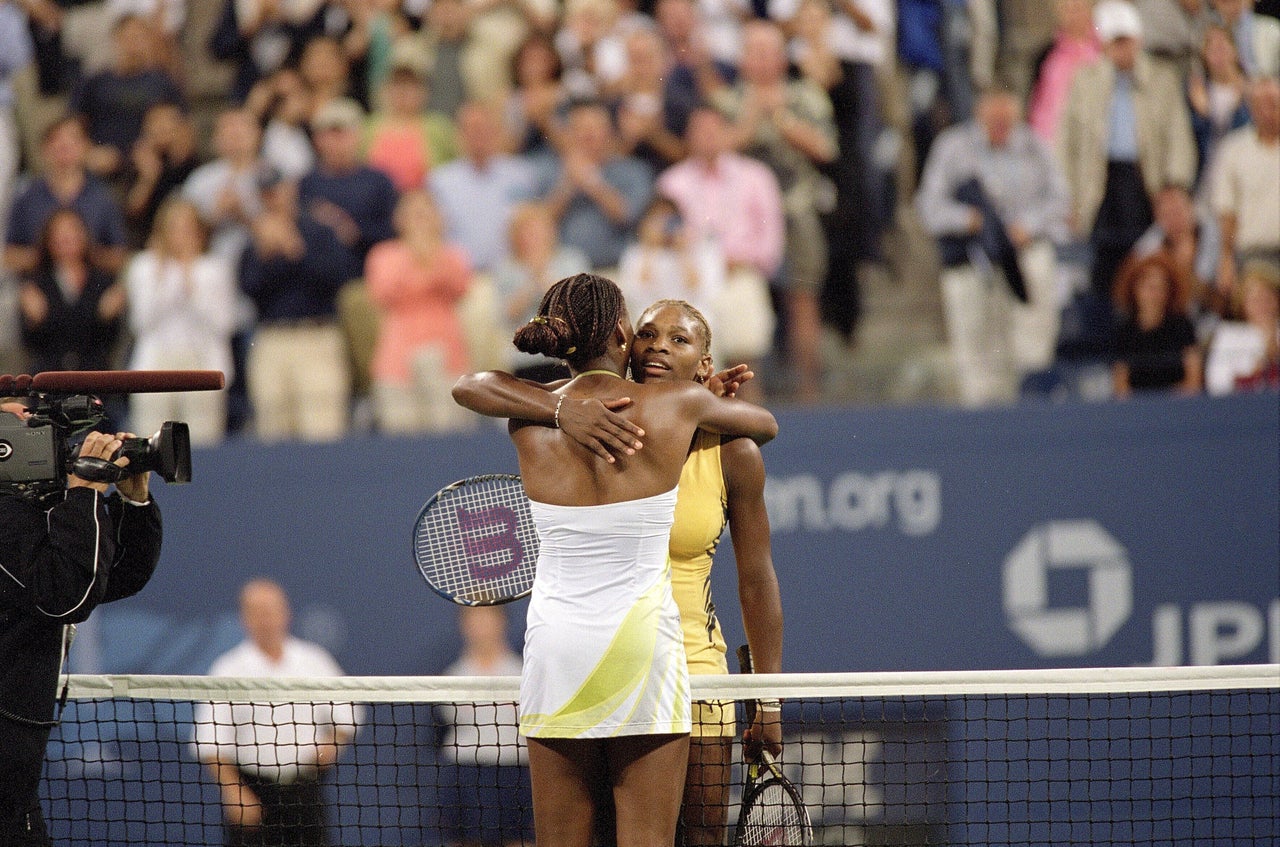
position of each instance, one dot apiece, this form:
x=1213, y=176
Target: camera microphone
x=122, y=382
x=36, y=450
x=14, y=385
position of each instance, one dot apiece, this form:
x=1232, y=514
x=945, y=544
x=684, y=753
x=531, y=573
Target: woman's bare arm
x=758, y=592
x=593, y=423
x=730, y=416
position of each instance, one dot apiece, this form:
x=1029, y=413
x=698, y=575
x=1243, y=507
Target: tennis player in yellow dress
x=722, y=482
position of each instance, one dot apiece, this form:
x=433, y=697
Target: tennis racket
x=475, y=543
x=772, y=812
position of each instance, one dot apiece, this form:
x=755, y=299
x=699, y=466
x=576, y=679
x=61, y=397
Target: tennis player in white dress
x=604, y=648
x=605, y=694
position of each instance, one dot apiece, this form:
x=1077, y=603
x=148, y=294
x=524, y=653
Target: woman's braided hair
x=575, y=319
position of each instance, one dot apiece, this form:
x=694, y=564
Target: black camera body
x=37, y=454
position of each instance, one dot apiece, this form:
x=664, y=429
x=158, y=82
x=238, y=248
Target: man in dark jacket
x=57, y=563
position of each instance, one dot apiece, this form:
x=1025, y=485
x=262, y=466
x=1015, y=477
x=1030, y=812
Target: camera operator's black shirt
x=56, y=566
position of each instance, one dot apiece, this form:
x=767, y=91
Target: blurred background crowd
x=345, y=204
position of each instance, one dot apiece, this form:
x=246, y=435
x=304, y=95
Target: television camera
x=38, y=451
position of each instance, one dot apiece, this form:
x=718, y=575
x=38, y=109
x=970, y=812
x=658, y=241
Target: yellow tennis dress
x=701, y=516
x=604, y=653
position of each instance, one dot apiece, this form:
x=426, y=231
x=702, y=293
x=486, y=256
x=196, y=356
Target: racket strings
x=476, y=542
x=773, y=817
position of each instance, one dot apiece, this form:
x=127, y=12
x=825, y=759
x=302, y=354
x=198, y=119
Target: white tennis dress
x=604, y=652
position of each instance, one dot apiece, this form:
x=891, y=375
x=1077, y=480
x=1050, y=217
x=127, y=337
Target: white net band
x=436, y=689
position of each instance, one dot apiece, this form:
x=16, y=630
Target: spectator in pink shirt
x=734, y=200
x=416, y=280
x=727, y=196
x=1076, y=44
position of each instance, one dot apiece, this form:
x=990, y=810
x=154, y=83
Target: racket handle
x=744, y=666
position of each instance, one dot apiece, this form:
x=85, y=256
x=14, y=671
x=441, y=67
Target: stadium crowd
x=345, y=204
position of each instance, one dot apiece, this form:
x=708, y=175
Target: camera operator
x=58, y=561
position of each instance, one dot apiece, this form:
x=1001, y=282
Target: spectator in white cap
x=1126, y=133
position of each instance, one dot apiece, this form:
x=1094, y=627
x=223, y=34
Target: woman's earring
x=624, y=346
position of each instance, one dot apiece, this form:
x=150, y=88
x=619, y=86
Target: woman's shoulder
x=739, y=449
x=742, y=466
x=663, y=406
x=740, y=456
x=661, y=390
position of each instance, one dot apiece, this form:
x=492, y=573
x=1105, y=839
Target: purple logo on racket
x=482, y=543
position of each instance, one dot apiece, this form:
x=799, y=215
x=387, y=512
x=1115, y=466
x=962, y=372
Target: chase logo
x=1060, y=546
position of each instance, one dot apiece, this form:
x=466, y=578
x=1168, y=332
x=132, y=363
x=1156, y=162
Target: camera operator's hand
x=97, y=445
x=136, y=487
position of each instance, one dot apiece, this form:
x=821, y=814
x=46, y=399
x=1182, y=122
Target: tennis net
x=1111, y=756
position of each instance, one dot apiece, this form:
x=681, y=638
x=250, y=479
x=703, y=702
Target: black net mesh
x=1145, y=767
